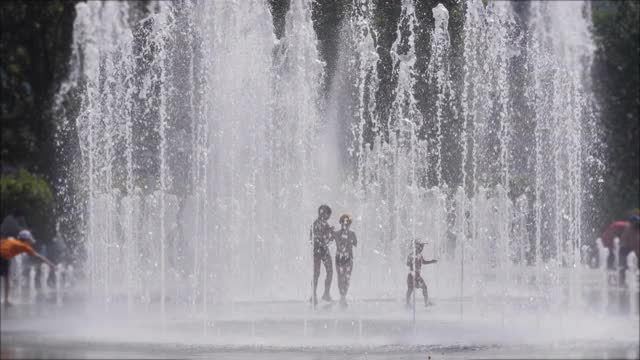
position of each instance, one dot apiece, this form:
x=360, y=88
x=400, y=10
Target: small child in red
x=414, y=280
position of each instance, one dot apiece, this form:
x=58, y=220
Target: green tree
x=33, y=195
x=617, y=86
x=35, y=41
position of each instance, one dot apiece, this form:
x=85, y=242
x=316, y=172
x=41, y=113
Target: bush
x=33, y=195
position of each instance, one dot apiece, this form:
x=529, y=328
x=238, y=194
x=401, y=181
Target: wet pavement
x=289, y=330
x=33, y=349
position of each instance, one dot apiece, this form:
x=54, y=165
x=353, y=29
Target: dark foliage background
x=617, y=87
x=35, y=39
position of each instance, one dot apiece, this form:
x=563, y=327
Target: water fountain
x=205, y=149
x=231, y=161
x=165, y=205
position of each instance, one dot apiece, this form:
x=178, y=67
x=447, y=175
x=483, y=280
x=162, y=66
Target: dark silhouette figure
x=345, y=241
x=414, y=279
x=322, y=236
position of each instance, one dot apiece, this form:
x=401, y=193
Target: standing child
x=414, y=280
x=345, y=241
x=322, y=236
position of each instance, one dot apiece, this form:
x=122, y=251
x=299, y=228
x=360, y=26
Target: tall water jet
x=188, y=171
x=362, y=38
x=558, y=91
x=438, y=74
x=403, y=147
x=201, y=138
x=486, y=109
x=486, y=103
x=557, y=94
x=353, y=99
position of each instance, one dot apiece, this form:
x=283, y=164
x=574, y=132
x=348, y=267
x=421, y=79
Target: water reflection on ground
x=33, y=349
x=381, y=330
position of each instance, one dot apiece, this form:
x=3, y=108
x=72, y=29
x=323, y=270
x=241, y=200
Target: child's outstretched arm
x=427, y=262
x=44, y=259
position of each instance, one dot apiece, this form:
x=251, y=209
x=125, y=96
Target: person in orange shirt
x=10, y=248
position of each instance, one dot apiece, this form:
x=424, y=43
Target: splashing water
x=204, y=151
x=195, y=148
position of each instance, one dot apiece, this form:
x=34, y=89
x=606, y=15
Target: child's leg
x=328, y=267
x=316, y=272
x=425, y=294
x=420, y=283
x=340, y=270
x=348, y=267
x=409, y=288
